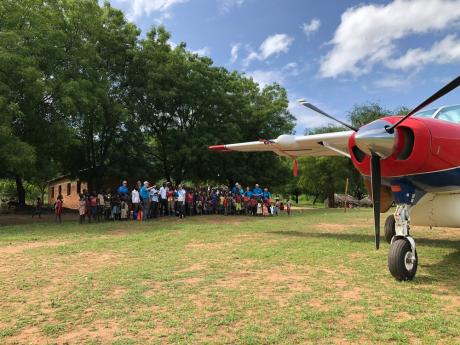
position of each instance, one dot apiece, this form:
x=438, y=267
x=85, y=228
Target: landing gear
x=402, y=258
x=390, y=231
x=402, y=262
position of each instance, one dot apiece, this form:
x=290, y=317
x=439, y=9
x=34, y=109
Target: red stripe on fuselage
x=436, y=147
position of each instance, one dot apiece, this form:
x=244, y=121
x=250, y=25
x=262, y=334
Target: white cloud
x=227, y=5
x=273, y=45
x=368, y=34
x=264, y=78
x=442, y=52
x=235, y=49
x=147, y=7
x=311, y=27
x=393, y=82
x=205, y=51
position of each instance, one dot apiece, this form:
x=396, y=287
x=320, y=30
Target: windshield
x=426, y=113
x=451, y=114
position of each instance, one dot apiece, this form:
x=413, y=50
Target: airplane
x=411, y=160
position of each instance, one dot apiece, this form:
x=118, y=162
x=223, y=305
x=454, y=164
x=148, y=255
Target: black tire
x=397, y=260
x=390, y=231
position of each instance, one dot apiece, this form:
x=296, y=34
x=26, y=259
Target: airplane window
x=451, y=114
x=426, y=113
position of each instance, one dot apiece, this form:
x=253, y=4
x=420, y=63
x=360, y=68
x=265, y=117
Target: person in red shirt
x=253, y=205
x=190, y=205
x=58, y=208
x=93, y=206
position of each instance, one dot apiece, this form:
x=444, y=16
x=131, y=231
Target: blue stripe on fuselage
x=437, y=181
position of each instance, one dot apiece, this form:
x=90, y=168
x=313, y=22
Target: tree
x=363, y=114
x=185, y=104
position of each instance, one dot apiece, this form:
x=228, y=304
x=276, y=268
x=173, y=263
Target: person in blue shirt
x=266, y=194
x=248, y=192
x=257, y=192
x=123, y=189
x=145, y=198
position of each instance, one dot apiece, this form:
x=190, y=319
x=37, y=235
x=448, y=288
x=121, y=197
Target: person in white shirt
x=181, y=193
x=163, y=200
x=135, y=199
x=154, y=197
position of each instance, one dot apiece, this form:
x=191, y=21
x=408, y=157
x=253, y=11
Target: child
x=276, y=209
x=124, y=210
x=246, y=204
x=199, y=206
x=100, y=206
x=259, y=208
x=237, y=201
x=253, y=205
x=58, y=208
x=115, y=207
x=38, y=208
x=265, y=211
x=82, y=208
x=93, y=206
x=222, y=204
x=107, y=207
x=288, y=207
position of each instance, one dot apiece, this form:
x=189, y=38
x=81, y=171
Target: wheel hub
x=409, y=261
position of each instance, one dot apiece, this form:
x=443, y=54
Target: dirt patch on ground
x=318, y=305
x=19, y=248
x=452, y=303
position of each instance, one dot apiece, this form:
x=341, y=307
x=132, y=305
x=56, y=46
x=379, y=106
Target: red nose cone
x=218, y=148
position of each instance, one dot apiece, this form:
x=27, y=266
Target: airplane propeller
x=378, y=140
x=376, y=182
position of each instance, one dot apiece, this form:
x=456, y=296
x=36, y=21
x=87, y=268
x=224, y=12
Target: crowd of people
x=145, y=201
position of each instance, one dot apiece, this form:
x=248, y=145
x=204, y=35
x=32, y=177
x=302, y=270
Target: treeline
x=82, y=92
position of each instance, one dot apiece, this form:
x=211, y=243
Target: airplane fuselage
x=423, y=171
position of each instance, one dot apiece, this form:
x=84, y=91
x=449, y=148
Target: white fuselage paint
x=437, y=209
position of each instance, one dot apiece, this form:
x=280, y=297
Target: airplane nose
x=373, y=139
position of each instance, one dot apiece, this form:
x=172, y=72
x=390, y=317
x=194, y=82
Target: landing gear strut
x=402, y=258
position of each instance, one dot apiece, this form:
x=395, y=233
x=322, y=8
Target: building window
x=69, y=190
x=60, y=190
x=78, y=187
x=52, y=192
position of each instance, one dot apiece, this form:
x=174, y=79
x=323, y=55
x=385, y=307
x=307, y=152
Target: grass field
x=313, y=278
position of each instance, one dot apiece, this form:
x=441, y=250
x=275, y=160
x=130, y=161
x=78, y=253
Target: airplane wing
x=328, y=144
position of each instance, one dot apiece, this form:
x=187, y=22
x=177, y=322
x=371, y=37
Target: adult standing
x=123, y=191
x=135, y=200
x=266, y=194
x=181, y=194
x=154, y=196
x=145, y=199
x=257, y=192
x=164, y=199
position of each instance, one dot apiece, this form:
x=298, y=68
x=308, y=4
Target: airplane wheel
x=390, y=225
x=401, y=261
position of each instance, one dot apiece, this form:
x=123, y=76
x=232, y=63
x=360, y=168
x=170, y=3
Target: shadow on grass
x=365, y=238
x=446, y=271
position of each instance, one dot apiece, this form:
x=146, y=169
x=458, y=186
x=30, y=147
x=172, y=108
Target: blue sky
x=333, y=53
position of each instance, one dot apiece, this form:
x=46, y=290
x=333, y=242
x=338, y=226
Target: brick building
x=68, y=188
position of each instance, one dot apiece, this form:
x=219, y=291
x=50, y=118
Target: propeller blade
x=445, y=90
x=376, y=183
x=312, y=107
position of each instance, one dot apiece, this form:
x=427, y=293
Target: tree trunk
x=297, y=198
x=331, y=200
x=316, y=198
x=21, y=192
